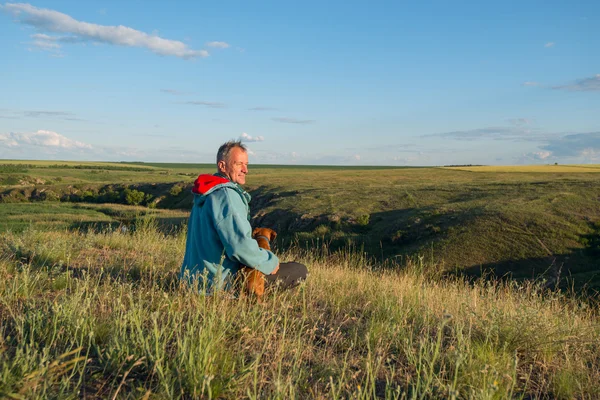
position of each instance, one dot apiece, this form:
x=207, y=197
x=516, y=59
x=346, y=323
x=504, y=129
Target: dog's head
x=266, y=232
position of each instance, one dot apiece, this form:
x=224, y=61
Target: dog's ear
x=255, y=232
x=273, y=234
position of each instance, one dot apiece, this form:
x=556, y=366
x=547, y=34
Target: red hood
x=205, y=182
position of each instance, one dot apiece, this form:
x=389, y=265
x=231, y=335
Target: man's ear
x=221, y=166
x=255, y=231
x=273, y=234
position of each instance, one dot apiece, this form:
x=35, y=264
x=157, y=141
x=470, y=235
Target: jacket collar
x=206, y=182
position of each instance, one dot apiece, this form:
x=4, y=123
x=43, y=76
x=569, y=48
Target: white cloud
x=542, y=155
x=574, y=145
x=209, y=104
x=287, y=120
x=57, y=22
x=534, y=157
x=41, y=36
x=519, y=121
x=591, y=153
x=549, y=44
x=262, y=108
x=218, y=45
x=7, y=140
x=311, y=158
x=46, y=45
x=410, y=158
x=42, y=138
x=173, y=92
x=518, y=132
x=591, y=84
x=128, y=153
x=17, y=114
x=244, y=137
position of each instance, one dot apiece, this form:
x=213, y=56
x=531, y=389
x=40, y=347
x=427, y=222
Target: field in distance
x=550, y=168
x=524, y=221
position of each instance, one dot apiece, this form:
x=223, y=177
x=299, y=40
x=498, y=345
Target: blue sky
x=341, y=83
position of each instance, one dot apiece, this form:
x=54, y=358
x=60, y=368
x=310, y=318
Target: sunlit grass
x=102, y=315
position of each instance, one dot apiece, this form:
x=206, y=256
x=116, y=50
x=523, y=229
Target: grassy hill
x=101, y=315
x=91, y=306
x=521, y=221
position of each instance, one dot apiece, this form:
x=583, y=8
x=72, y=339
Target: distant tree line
x=13, y=168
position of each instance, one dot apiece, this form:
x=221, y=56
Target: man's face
x=236, y=166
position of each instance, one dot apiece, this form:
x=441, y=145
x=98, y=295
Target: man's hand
x=275, y=270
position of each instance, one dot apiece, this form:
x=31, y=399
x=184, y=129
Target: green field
x=91, y=306
x=531, y=168
x=521, y=222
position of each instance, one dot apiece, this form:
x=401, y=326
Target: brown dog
x=253, y=278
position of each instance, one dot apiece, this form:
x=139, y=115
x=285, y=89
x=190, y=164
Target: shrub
x=109, y=196
x=73, y=197
x=363, y=220
x=14, y=196
x=147, y=198
x=321, y=230
x=10, y=180
x=13, y=168
x=175, y=190
x=133, y=197
x=88, y=195
x=49, y=195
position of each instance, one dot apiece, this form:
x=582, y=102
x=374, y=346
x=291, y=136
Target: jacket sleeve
x=235, y=233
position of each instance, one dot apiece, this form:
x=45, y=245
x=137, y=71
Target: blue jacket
x=219, y=235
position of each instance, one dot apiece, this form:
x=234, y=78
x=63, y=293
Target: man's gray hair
x=225, y=149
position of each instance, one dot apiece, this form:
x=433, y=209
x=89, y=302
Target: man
x=219, y=236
